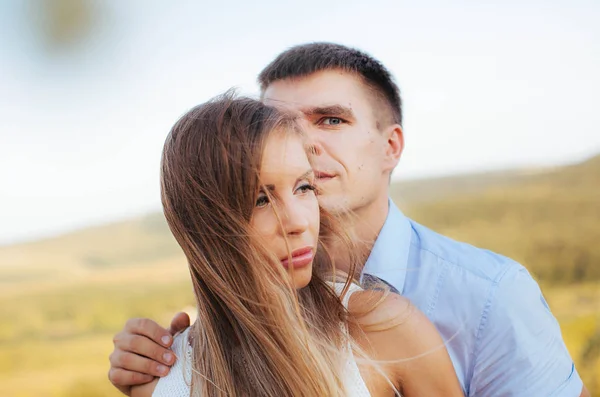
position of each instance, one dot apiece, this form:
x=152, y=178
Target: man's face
x=349, y=151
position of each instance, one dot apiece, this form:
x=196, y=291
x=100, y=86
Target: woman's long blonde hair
x=255, y=335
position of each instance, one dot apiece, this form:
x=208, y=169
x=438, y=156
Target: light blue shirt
x=500, y=333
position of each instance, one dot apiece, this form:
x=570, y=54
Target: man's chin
x=335, y=204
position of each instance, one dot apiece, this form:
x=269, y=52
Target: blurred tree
x=62, y=25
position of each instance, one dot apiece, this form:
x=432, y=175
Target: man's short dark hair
x=306, y=59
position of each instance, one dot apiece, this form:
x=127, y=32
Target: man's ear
x=394, y=145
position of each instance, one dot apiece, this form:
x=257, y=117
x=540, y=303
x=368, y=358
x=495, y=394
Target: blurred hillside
x=62, y=299
x=547, y=220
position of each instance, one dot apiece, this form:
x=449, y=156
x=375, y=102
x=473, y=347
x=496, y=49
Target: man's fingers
x=133, y=363
x=141, y=346
x=149, y=329
x=123, y=379
x=141, y=353
x=180, y=322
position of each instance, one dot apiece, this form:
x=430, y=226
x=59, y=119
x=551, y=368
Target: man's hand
x=142, y=352
x=585, y=393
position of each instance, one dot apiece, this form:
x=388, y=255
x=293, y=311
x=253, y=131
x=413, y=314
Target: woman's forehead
x=284, y=157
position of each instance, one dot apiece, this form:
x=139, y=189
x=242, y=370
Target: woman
x=274, y=317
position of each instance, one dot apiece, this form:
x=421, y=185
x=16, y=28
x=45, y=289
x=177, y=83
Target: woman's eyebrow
x=301, y=177
x=305, y=175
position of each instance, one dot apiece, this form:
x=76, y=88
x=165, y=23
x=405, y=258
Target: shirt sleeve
x=520, y=350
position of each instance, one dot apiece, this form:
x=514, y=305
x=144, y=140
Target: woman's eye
x=332, y=121
x=262, y=200
x=307, y=188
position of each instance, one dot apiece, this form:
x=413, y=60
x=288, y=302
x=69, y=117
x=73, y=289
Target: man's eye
x=332, y=121
x=262, y=201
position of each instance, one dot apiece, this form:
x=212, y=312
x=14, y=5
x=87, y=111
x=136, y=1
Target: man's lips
x=300, y=257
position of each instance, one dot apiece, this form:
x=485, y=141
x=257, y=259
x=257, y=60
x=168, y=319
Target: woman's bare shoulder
x=398, y=333
x=144, y=390
x=379, y=309
x=387, y=317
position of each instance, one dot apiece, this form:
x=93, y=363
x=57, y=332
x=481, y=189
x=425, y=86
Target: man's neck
x=363, y=225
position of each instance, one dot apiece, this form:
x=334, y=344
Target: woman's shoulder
x=145, y=390
x=381, y=309
x=386, y=318
x=397, y=332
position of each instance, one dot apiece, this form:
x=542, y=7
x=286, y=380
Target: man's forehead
x=286, y=105
x=322, y=89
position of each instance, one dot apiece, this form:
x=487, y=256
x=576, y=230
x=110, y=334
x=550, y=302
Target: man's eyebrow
x=301, y=177
x=333, y=110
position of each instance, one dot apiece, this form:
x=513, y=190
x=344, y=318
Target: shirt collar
x=388, y=260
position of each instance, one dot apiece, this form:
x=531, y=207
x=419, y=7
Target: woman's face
x=289, y=179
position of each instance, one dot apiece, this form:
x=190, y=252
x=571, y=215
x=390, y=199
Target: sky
x=486, y=85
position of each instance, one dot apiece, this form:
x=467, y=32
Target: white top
x=177, y=382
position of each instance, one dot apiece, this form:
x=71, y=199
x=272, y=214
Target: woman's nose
x=295, y=219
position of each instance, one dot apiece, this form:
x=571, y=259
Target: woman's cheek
x=264, y=226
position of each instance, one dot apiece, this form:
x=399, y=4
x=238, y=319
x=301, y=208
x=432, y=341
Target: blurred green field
x=62, y=299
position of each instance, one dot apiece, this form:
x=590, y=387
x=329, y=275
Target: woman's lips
x=300, y=258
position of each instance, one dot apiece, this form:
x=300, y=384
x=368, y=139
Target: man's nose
x=314, y=145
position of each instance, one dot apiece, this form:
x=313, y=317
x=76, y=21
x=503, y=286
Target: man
x=500, y=334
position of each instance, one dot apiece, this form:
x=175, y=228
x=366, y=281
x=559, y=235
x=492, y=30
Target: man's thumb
x=180, y=322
